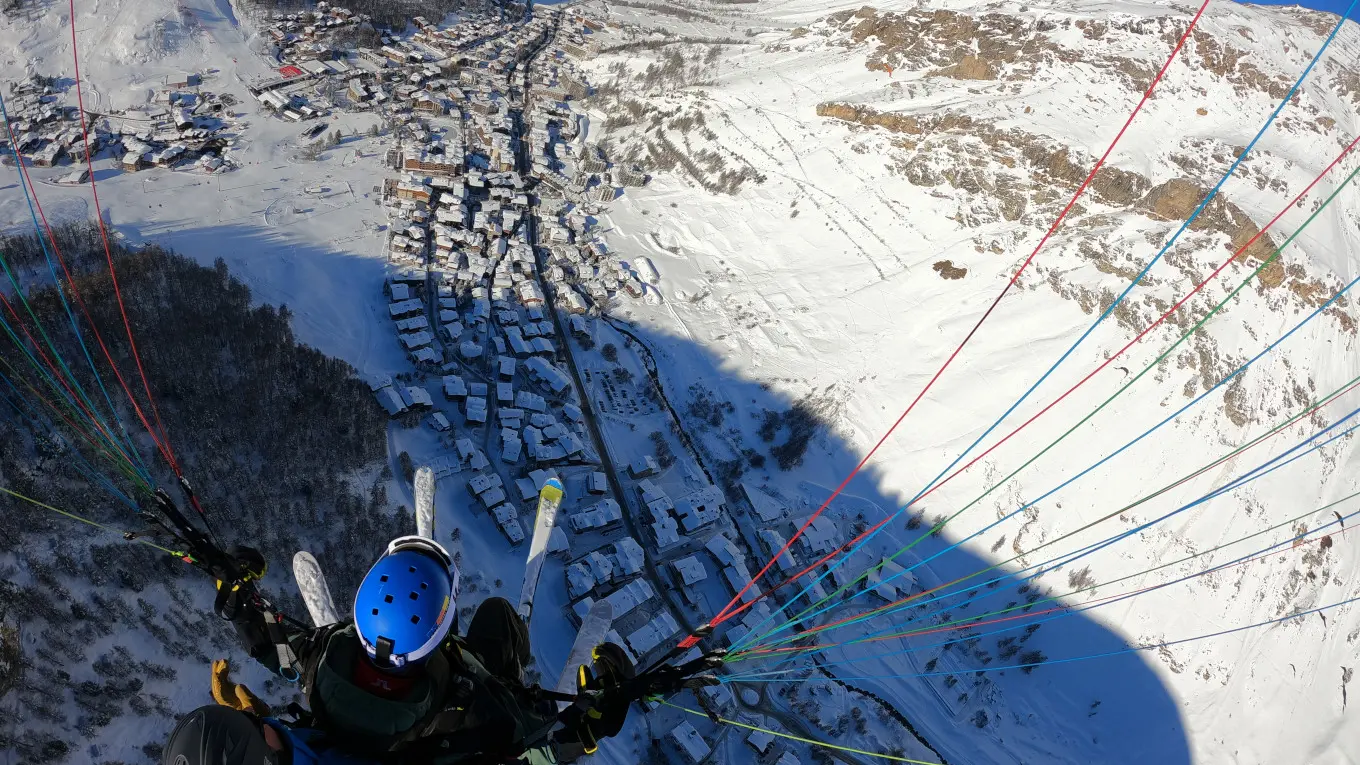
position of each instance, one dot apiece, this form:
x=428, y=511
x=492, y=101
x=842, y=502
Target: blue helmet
x=405, y=606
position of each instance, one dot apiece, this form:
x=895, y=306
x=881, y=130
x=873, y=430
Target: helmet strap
x=383, y=659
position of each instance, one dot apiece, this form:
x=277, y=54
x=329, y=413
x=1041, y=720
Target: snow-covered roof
x=700, y=508
x=691, y=570
x=652, y=634
x=889, y=580
x=482, y=483
x=820, y=535
x=391, y=401
x=760, y=741
x=630, y=596
x=666, y=532
x=628, y=557
x=724, y=550
x=768, y=508
x=597, y=516
x=454, y=387
x=690, y=743
x=414, y=395
x=775, y=542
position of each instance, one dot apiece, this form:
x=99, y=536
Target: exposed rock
x=947, y=270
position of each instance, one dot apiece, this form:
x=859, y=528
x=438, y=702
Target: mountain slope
x=894, y=206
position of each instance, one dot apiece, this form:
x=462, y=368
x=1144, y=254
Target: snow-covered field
x=818, y=284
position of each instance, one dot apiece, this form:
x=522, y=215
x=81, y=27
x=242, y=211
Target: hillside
x=837, y=194
x=285, y=445
x=899, y=163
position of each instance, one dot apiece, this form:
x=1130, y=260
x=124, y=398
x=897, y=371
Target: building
x=701, y=508
x=508, y=520
x=653, y=634
x=889, y=581
x=390, y=400
x=760, y=741
x=597, y=483
x=767, y=507
x=424, y=161
x=603, y=515
x=643, y=466
x=454, y=388
x=689, y=744
x=774, y=541
x=690, y=571
x=134, y=161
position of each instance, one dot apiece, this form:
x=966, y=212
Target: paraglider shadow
x=1109, y=710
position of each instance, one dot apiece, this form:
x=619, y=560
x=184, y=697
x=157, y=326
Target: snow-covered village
x=766, y=382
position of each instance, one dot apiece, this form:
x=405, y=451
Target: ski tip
x=554, y=483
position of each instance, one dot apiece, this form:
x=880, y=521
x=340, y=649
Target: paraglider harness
x=237, y=575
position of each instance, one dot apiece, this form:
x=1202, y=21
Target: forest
x=284, y=446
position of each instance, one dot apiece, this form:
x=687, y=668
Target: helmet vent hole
x=424, y=586
x=415, y=595
x=375, y=612
x=383, y=578
x=387, y=599
x=415, y=620
x=411, y=570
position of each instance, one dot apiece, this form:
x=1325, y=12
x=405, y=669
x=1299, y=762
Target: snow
x=768, y=308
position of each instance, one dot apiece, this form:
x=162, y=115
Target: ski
x=425, y=502
x=311, y=582
x=593, y=630
x=549, y=500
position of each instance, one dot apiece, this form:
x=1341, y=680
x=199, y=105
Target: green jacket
x=456, y=714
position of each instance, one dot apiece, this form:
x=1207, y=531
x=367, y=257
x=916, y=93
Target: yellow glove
x=229, y=694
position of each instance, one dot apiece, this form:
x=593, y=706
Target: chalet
x=547, y=374
x=413, y=324
x=134, y=161
x=597, y=483
x=428, y=104
x=652, y=635
x=465, y=449
x=416, y=397
x=49, y=155
x=643, y=466
x=483, y=483
x=690, y=745
x=508, y=520
x=390, y=400
x=439, y=422
x=510, y=417
x=601, y=516
x=760, y=741
x=526, y=488
x=511, y=447
x=476, y=410
x=703, y=507
x=414, y=340
x=454, y=388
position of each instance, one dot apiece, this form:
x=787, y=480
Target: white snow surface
x=778, y=307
